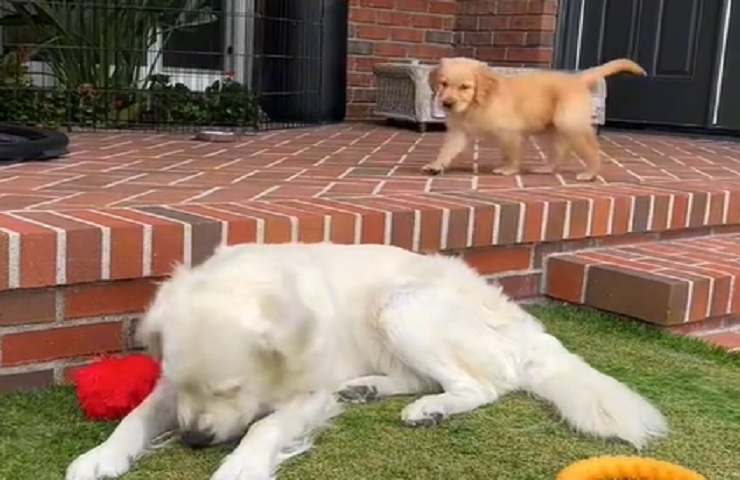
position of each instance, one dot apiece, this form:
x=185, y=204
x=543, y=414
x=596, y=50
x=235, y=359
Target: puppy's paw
x=432, y=168
x=358, y=394
x=586, y=177
x=506, y=170
x=99, y=463
x=544, y=169
x=236, y=467
x=425, y=412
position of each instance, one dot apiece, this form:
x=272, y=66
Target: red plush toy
x=111, y=387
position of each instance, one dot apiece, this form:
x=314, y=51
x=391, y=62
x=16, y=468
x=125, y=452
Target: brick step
x=680, y=284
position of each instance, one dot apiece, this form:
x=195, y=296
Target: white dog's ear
x=486, y=83
x=149, y=334
x=287, y=325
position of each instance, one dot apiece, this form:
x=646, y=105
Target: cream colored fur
x=266, y=343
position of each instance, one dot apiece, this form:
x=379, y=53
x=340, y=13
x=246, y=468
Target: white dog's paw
x=357, y=394
x=425, y=412
x=99, y=463
x=235, y=467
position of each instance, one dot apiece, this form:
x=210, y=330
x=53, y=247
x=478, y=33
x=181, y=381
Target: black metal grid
x=241, y=65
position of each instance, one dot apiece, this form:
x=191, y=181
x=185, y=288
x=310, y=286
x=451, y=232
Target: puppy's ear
x=486, y=83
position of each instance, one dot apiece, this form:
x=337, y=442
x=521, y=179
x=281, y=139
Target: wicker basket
x=404, y=93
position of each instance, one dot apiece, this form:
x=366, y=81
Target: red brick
x=446, y=8
x=427, y=21
x=509, y=38
x=499, y=259
x=111, y=298
x=360, y=79
x=726, y=340
x=465, y=23
x=378, y=3
x=372, y=32
x=478, y=38
x=521, y=286
x=83, y=246
x=537, y=54
x=55, y=343
x=431, y=224
x=38, y=252
x=126, y=243
x=407, y=35
x=19, y=307
x=4, y=259
x=397, y=19
x=363, y=95
x=721, y=295
x=388, y=49
x=542, y=6
x=429, y=52
x=365, y=64
x=565, y=278
x=362, y=15
x=734, y=206
x=494, y=24
x=491, y=54
x=412, y=5
x=28, y=381
x=545, y=39
x=533, y=22
x=680, y=211
x=167, y=240
x=507, y=7
x=358, y=111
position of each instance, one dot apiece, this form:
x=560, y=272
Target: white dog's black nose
x=448, y=103
x=196, y=439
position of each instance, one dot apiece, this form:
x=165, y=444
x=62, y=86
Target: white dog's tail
x=590, y=401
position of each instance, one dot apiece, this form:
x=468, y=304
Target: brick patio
x=82, y=238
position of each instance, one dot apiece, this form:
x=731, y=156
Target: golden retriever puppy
x=479, y=103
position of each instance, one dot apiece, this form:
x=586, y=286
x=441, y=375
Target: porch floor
x=130, y=205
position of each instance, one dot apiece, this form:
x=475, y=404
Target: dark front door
x=674, y=40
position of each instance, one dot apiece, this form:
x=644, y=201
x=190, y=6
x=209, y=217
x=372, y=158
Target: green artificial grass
x=518, y=438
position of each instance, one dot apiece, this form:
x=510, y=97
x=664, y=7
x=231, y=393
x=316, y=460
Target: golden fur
x=479, y=102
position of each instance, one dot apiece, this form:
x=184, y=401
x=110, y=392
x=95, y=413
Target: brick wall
x=503, y=32
x=510, y=32
x=393, y=30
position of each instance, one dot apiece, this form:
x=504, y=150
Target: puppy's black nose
x=196, y=439
x=448, y=103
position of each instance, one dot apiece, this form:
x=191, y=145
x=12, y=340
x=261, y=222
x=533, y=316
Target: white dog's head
x=225, y=345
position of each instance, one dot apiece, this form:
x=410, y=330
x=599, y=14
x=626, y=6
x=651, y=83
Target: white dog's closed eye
x=226, y=391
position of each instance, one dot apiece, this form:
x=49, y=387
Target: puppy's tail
x=593, y=75
x=593, y=403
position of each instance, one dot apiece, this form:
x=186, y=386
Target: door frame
x=567, y=49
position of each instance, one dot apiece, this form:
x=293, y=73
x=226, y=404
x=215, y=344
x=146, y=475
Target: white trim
x=722, y=58
x=579, y=40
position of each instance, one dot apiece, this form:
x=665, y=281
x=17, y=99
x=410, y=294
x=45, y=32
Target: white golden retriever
x=267, y=342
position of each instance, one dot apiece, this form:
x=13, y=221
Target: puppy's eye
x=465, y=86
x=443, y=84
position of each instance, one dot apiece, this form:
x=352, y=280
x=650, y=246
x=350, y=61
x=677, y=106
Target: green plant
x=223, y=103
x=102, y=43
x=20, y=102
